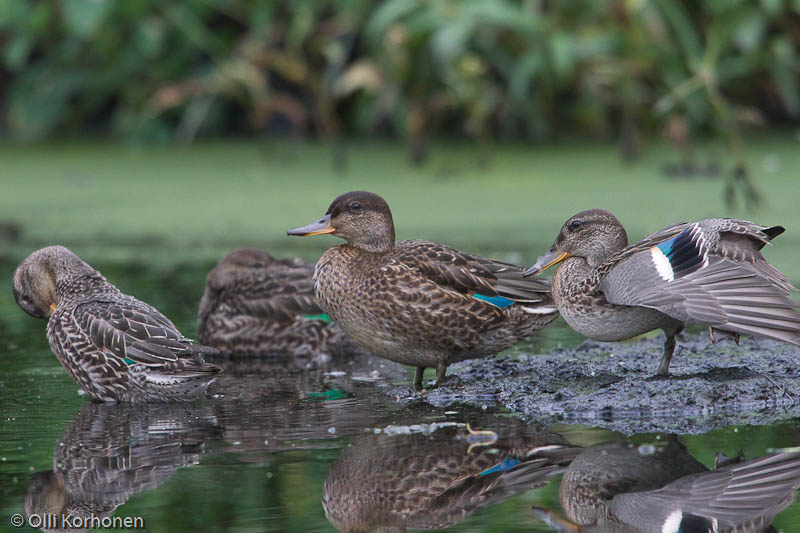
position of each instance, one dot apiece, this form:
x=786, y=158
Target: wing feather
x=471, y=274
x=731, y=495
x=130, y=329
x=710, y=272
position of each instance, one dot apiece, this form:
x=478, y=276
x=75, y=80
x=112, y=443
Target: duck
x=623, y=487
x=111, y=452
x=417, y=302
x=709, y=272
x=255, y=304
x=437, y=478
x=115, y=347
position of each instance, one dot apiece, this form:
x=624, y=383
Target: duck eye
x=575, y=224
x=355, y=206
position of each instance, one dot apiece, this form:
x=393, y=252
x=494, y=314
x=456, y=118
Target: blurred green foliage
x=534, y=69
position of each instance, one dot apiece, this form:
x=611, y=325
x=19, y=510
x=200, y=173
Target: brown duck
x=114, y=346
x=256, y=304
x=417, y=302
x=709, y=272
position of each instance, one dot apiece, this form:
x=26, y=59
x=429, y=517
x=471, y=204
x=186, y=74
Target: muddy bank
x=612, y=385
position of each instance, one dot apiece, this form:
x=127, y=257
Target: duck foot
x=712, y=331
x=451, y=380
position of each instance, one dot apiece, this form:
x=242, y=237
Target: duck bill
x=553, y=257
x=319, y=227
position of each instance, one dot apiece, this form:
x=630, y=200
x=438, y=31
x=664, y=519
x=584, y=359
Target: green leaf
x=39, y=99
x=772, y=7
x=561, y=53
x=84, y=16
x=450, y=42
x=387, y=14
x=687, y=36
x=16, y=52
x=749, y=34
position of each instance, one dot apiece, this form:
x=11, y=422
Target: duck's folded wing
x=279, y=307
x=748, y=492
x=472, y=274
x=134, y=331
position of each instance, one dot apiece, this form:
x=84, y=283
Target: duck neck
x=375, y=241
x=373, y=247
x=572, y=276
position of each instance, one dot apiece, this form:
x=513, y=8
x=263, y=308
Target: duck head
x=361, y=218
x=246, y=258
x=591, y=235
x=34, y=282
x=36, y=278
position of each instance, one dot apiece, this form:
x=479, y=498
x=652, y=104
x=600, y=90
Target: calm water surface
x=285, y=447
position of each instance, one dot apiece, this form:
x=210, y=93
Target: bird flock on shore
x=428, y=305
x=414, y=302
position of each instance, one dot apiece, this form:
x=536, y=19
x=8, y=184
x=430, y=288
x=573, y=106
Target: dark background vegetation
x=156, y=70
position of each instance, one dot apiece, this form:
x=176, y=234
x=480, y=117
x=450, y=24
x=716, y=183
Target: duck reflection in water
x=423, y=480
x=111, y=452
x=621, y=487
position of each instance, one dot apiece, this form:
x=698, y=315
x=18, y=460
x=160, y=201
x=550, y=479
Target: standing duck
x=709, y=272
x=114, y=346
x=417, y=302
x=255, y=304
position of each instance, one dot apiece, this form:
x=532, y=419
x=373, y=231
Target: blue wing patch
x=683, y=251
x=497, y=301
x=129, y=361
x=507, y=464
x=323, y=317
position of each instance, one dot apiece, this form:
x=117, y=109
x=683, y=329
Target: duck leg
x=418, y=378
x=712, y=331
x=441, y=370
x=669, y=349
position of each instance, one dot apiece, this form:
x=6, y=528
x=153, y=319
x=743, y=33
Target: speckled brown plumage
x=114, y=346
x=256, y=304
x=709, y=272
x=416, y=302
x=432, y=481
x=112, y=452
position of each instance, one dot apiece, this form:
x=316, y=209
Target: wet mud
x=613, y=385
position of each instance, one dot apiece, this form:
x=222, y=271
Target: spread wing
x=133, y=330
x=471, y=274
x=748, y=492
x=710, y=272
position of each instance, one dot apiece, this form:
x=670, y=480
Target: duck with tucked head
x=709, y=272
x=417, y=302
x=114, y=346
x=256, y=304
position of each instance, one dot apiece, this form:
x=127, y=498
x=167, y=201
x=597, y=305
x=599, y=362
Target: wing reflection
x=622, y=487
x=111, y=452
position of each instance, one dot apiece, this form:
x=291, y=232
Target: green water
x=256, y=454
